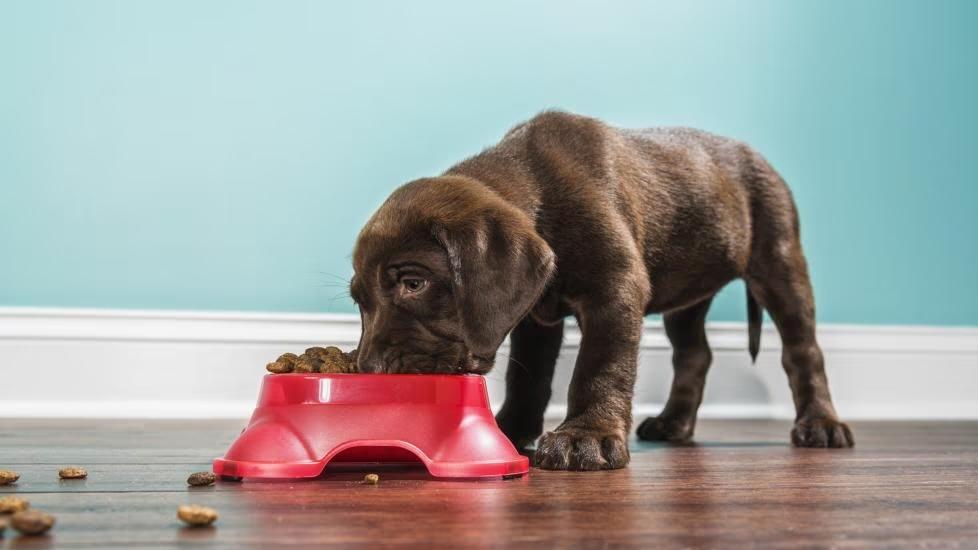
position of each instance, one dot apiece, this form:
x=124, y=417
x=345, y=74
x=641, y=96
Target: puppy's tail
x=755, y=316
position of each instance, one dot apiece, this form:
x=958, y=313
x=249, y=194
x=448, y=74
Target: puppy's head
x=442, y=272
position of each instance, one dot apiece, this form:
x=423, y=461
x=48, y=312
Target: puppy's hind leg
x=779, y=280
x=532, y=357
x=691, y=359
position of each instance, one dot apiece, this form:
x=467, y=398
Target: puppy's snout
x=370, y=363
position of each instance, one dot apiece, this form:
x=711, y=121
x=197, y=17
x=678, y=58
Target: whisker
x=345, y=294
x=515, y=361
x=335, y=276
x=493, y=375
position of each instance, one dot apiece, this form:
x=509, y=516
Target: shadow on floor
x=651, y=446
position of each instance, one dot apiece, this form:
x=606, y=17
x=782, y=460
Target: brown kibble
x=276, y=368
x=371, y=479
x=315, y=353
x=7, y=477
x=72, y=472
x=306, y=363
x=336, y=361
x=196, y=516
x=11, y=504
x=201, y=479
x=330, y=359
x=329, y=353
x=285, y=363
x=32, y=522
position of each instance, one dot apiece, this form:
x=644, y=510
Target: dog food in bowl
x=328, y=360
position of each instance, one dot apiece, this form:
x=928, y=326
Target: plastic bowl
x=305, y=421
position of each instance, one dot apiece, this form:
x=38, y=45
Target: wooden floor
x=908, y=483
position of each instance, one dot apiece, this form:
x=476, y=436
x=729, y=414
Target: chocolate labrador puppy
x=570, y=216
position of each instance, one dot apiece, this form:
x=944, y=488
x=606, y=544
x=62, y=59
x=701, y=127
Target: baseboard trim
x=178, y=326
x=242, y=409
x=189, y=364
x=239, y=409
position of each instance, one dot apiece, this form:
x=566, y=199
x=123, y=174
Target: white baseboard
x=177, y=364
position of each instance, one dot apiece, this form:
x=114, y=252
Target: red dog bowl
x=305, y=421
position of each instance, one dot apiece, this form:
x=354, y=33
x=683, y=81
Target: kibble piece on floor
x=7, y=477
x=371, y=479
x=32, y=522
x=72, y=472
x=196, y=516
x=11, y=504
x=285, y=363
x=200, y=479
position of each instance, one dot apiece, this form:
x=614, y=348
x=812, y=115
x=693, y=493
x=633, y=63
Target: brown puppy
x=569, y=216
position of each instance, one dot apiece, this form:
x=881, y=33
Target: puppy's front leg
x=533, y=353
x=594, y=436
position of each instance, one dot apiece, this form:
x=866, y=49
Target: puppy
x=569, y=216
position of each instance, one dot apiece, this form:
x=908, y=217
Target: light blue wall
x=223, y=154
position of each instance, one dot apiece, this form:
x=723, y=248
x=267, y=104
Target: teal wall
x=223, y=154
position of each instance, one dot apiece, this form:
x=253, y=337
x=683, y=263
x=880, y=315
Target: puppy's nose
x=369, y=364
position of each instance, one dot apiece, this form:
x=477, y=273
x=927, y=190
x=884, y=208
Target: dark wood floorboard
x=906, y=484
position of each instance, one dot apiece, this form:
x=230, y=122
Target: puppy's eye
x=413, y=285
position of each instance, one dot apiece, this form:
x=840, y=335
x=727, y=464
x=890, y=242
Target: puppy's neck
x=505, y=177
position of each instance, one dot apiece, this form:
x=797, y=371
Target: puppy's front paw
x=665, y=428
x=820, y=431
x=581, y=449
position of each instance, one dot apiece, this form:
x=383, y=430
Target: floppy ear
x=500, y=267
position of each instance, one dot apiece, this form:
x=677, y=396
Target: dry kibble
x=7, y=477
x=335, y=361
x=32, y=522
x=72, y=472
x=324, y=354
x=330, y=359
x=284, y=363
x=196, y=516
x=201, y=479
x=11, y=505
x=371, y=479
x=306, y=363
